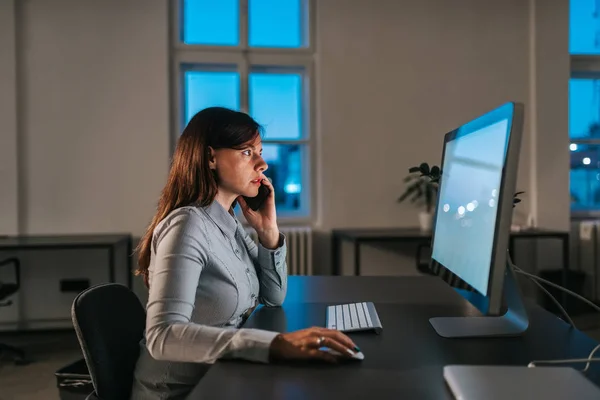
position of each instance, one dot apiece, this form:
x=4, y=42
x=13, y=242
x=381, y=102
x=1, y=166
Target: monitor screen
x=468, y=200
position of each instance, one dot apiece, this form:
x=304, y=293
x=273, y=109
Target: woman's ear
x=212, y=163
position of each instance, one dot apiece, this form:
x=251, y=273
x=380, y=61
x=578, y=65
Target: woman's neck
x=226, y=200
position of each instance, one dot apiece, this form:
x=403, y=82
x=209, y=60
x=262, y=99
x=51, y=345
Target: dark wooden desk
x=404, y=362
x=110, y=243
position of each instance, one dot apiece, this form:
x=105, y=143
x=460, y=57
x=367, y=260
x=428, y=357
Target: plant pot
x=425, y=221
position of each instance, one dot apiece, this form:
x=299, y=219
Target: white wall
x=549, y=109
x=551, y=158
x=8, y=121
x=95, y=113
x=394, y=76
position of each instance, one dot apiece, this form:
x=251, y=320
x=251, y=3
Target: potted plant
x=421, y=189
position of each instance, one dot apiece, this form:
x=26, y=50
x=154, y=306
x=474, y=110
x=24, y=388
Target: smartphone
x=256, y=202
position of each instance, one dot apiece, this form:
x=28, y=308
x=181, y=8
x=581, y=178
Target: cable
x=556, y=302
x=565, y=361
x=537, y=278
x=588, y=360
x=590, y=357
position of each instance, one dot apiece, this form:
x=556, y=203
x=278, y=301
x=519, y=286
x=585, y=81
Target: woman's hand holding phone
x=263, y=220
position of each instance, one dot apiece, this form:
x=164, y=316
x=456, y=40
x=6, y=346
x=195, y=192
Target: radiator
x=299, y=248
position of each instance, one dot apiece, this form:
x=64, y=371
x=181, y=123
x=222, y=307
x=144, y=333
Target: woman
x=204, y=273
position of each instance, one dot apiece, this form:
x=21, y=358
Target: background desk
x=415, y=235
x=110, y=243
x=405, y=361
x=49, y=287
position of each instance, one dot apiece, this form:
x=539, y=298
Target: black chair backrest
x=109, y=321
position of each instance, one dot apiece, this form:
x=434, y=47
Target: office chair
x=109, y=321
x=6, y=290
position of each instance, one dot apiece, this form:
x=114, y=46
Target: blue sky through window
x=584, y=106
x=275, y=23
x=272, y=23
x=276, y=103
x=580, y=106
x=211, y=22
x=584, y=37
x=210, y=88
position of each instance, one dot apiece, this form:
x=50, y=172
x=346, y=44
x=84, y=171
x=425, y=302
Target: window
x=254, y=56
x=584, y=37
x=584, y=107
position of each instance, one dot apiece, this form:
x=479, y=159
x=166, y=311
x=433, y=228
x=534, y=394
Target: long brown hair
x=190, y=179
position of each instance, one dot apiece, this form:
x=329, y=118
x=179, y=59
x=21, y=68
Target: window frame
x=243, y=59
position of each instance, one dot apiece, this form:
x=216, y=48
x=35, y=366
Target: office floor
x=51, y=351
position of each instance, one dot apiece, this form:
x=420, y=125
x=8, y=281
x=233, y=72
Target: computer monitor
x=473, y=218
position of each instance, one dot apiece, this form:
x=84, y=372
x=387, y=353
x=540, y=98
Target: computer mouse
x=358, y=355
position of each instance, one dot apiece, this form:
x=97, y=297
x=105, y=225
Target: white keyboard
x=353, y=317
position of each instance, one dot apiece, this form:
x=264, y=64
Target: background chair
x=109, y=321
x=7, y=290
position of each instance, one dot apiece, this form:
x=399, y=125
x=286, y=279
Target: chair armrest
x=17, y=266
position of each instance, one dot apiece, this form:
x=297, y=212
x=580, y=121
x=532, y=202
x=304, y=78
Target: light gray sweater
x=205, y=275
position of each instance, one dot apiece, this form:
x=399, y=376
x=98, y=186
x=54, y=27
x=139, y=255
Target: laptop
x=474, y=382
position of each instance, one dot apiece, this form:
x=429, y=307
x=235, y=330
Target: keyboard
x=353, y=317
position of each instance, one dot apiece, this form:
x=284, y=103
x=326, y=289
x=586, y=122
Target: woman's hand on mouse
x=263, y=220
x=305, y=344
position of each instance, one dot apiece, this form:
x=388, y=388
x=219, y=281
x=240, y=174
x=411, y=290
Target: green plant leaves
x=516, y=200
x=422, y=184
x=411, y=190
x=435, y=173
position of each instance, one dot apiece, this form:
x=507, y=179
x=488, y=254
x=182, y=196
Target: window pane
x=211, y=22
x=584, y=37
x=275, y=23
x=210, y=88
x=286, y=173
x=585, y=177
x=584, y=108
x=276, y=103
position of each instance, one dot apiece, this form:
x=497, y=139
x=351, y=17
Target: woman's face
x=239, y=171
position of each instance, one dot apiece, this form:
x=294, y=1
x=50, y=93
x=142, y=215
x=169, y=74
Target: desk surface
x=379, y=234
x=38, y=241
x=405, y=361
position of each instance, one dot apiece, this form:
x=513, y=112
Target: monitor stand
x=513, y=323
